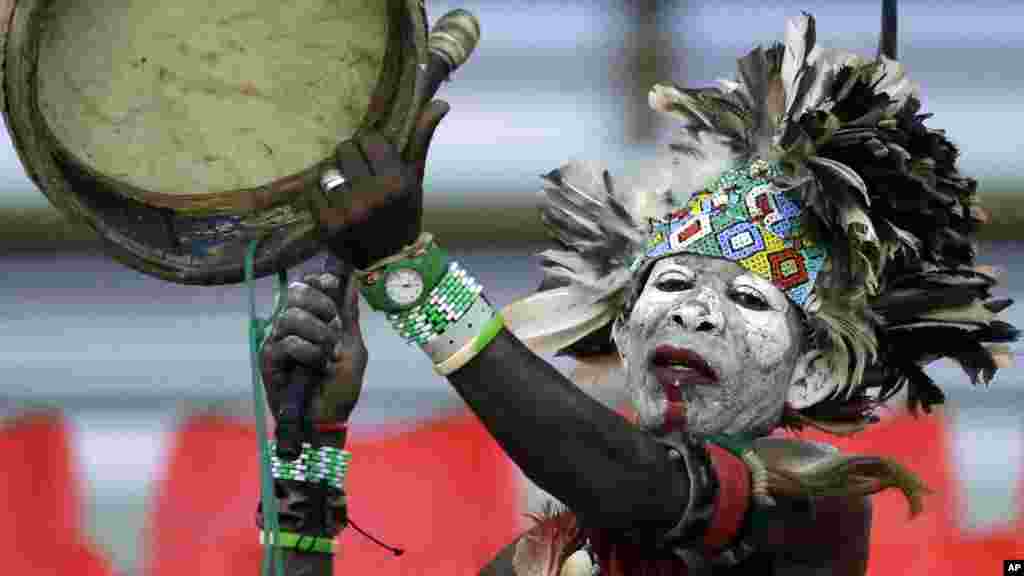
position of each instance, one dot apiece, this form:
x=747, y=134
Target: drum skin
x=200, y=235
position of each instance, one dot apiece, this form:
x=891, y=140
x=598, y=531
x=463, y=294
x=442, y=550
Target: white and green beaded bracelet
x=470, y=348
x=453, y=324
x=447, y=302
x=325, y=464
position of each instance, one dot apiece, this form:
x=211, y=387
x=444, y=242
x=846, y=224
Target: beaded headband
x=744, y=217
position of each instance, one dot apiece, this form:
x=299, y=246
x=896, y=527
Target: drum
x=181, y=130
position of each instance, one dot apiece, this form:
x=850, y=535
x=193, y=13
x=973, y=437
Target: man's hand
x=318, y=329
x=379, y=209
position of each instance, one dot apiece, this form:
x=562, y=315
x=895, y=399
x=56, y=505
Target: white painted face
x=710, y=348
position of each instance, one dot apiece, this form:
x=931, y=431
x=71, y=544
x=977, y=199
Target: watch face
x=404, y=286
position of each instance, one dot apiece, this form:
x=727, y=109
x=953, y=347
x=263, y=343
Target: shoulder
x=830, y=535
x=828, y=532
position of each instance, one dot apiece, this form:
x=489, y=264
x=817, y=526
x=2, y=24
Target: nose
x=697, y=314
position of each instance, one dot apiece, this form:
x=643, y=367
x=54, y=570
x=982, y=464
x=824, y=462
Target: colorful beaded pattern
x=324, y=464
x=447, y=302
x=744, y=217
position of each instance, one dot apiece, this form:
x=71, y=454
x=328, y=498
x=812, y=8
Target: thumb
x=427, y=122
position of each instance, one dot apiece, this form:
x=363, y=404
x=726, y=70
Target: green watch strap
x=300, y=542
x=429, y=260
x=735, y=445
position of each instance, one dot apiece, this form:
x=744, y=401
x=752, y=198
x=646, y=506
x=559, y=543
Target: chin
x=704, y=414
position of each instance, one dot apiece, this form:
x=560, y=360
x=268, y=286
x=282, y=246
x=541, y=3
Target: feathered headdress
x=827, y=183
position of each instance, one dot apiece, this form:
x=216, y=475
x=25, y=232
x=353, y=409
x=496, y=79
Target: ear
x=812, y=380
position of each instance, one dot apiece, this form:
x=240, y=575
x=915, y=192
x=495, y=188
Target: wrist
x=405, y=280
x=332, y=433
x=360, y=254
x=433, y=302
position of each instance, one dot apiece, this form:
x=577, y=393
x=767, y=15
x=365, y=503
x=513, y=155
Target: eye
x=673, y=282
x=750, y=298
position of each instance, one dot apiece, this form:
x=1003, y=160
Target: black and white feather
x=586, y=276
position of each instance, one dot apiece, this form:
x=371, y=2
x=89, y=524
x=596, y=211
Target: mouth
x=675, y=368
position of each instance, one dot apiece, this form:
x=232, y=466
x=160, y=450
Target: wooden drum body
x=180, y=130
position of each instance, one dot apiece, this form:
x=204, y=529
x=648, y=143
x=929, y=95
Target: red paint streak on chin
x=675, y=415
x=675, y=412
x=673, y=393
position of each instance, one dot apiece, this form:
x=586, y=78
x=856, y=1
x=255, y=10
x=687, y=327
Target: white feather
x=799, y=41
x=551, y=320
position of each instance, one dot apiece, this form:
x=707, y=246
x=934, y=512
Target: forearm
x=607, y=471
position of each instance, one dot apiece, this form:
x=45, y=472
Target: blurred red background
x=442, y=490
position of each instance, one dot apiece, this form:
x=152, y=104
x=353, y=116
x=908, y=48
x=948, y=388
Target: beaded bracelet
x=325, y=464
x=467, y=327
x=453, y=324
x=470, y=349
x=447, y=302
x=300, y=542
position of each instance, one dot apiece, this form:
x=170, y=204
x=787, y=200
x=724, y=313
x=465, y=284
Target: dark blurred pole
x=651, y=55
x=888, y=40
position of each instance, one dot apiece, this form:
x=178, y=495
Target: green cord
x=300, y=542
x=258, y=333
x=736, y=445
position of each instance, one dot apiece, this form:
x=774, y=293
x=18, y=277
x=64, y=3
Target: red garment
x=732, y=500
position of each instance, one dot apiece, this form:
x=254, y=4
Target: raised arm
x=593, y=460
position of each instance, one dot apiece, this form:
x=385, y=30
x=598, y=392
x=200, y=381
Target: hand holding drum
x=374, y=200
x=372, y=209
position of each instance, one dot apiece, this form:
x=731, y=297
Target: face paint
x=710, y=348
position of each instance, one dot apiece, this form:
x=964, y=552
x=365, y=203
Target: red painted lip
x=699, y=373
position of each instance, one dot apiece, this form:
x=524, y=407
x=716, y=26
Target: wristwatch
x=405, y=283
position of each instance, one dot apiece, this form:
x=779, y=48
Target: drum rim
x=289, y=239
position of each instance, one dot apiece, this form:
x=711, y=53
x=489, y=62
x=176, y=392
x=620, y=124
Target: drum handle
x=452, y=40
x=293, y=423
